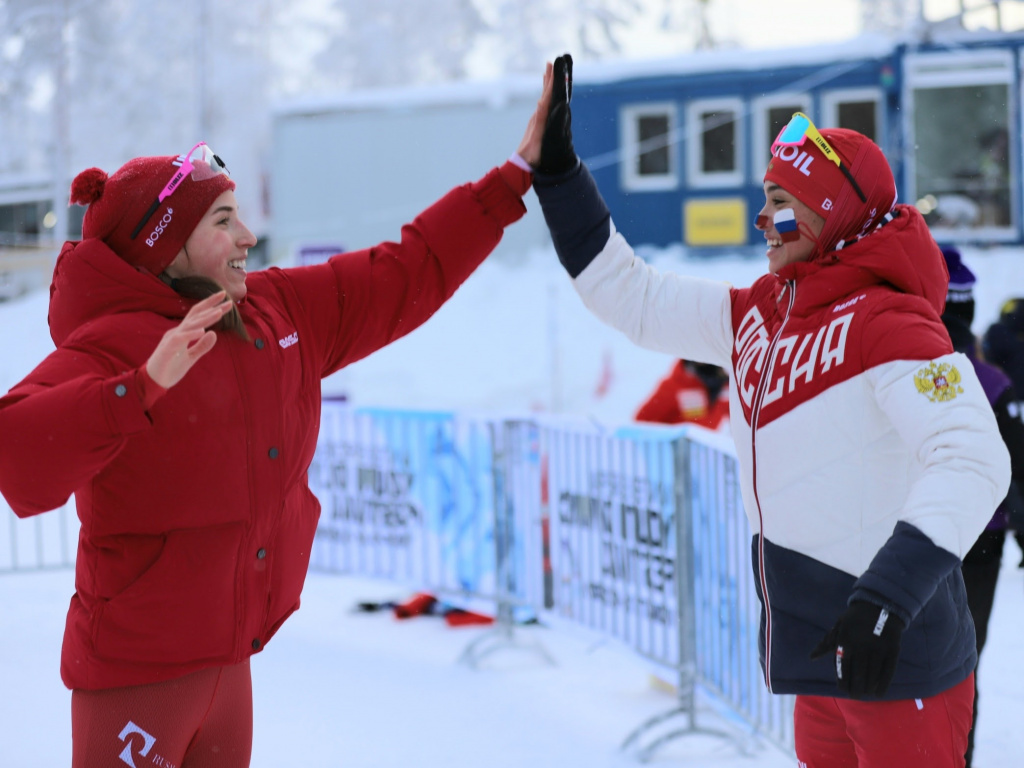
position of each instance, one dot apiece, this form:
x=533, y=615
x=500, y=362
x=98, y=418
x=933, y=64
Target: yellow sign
x=718, y=221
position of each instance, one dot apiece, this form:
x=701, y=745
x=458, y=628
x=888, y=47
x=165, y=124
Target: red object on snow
x=417, y=605
x=457, y=617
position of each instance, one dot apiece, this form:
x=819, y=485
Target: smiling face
x=780, y=254
x=217, y=248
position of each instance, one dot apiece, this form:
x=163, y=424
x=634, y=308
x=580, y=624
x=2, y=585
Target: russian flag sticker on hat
x=785, y=225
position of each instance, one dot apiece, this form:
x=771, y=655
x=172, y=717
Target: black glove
x=866, y=643
x=556, y=151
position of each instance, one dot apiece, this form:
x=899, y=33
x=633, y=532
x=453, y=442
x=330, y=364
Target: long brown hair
x=196, y=287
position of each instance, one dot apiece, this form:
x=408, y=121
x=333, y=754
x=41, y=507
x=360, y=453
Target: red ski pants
x=909, y=733
x=198, y=721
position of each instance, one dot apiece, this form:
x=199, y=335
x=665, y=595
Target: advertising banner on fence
x=613, y=538
x=405, y=495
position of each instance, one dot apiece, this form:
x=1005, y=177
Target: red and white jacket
x=870, y=457
x=197, y=520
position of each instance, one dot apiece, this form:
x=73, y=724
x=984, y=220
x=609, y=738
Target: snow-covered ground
x=364, y=690
x=335, y=688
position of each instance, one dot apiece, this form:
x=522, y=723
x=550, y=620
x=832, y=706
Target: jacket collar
x=91, y=281
x=902, y=254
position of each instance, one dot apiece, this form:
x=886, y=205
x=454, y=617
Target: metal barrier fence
x=38, y=543
x=650, y=545
x=638, y=534
x=423, y=499
x=405, y=497
x=613, y=527
x=620, y=552
x=727, y=611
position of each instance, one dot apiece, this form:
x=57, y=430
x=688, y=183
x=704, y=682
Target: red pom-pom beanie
x=817, y=182
x=118, y=203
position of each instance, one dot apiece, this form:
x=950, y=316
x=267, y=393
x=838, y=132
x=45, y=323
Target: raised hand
x=557, y=154
x=529, y=147
x=183, y=345
x=547, y=144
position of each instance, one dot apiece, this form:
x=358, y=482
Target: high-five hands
x=557, y=154
x=547, y=144
x=183, y=345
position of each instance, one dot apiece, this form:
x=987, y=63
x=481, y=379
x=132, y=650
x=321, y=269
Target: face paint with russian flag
x=785, y=225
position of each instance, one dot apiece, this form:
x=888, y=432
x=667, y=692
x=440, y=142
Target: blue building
x=679, y=147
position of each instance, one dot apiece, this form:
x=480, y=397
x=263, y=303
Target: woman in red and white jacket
x=185, y=426
x=870, y=457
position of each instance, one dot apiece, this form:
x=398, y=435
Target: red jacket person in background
x=870, y=459
x=692, y=393
x=181, y=408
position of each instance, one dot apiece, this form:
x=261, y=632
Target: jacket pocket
x=182, y=608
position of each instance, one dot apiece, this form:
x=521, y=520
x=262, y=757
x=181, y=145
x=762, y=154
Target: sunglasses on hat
x=200, y=163
x=799, y=129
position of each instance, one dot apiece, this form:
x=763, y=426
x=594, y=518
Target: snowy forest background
x=95, y=82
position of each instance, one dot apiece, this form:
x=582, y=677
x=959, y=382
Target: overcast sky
x=758, y=24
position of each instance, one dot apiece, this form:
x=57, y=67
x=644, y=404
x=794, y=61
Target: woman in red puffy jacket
x=181, y=407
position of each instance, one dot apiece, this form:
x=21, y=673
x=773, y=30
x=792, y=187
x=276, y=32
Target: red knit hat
x=118, y=203
x=818, y=183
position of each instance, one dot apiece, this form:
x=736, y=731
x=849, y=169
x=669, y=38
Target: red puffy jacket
x=197, y=520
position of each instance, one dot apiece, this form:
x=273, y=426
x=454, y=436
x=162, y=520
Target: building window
x=653, y=130
x=22, y=223
x=718, y=141
x=714, y=143
x=649, y=147
x=967, y=171
x=858, y=116
x=963, y=168
x=856, y=109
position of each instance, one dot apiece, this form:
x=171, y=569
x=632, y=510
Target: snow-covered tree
x=690, y=20
x=29, y=46
x=523, y=34
x=96, y=82
x=889, y=16
x=397, y=42
x=403, y=42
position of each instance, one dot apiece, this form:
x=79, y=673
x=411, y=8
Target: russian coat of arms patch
x=939, y=382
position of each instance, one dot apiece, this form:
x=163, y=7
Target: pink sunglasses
x=201, y=163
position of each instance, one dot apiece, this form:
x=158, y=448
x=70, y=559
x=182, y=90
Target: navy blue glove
x=866, y=643
x=557, y=154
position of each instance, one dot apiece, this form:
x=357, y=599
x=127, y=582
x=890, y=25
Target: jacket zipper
x=762, y=389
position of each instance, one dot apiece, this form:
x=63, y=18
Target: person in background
x=1003, y=345
x=181, y=407
x=869, y=457
x=692, y=393
x=982, y=562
